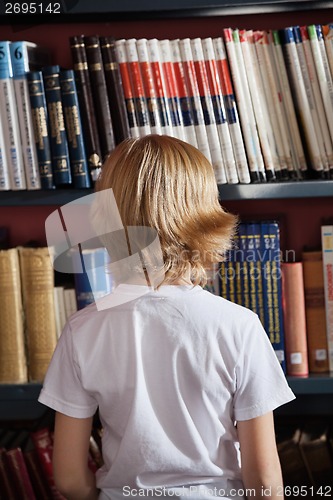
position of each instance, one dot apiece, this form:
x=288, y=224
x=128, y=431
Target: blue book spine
x=92, y=281
x=254, y=268
x=40, y=125
x=243, y=258
x=58, y=138
x=77, y=153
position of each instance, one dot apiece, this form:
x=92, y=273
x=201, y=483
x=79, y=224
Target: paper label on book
x=320, y=354
x=280, y=355
x=296, y=358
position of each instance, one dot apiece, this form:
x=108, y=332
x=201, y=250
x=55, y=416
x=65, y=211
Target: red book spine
x=18, y=471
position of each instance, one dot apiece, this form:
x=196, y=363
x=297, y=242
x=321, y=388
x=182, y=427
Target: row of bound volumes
x=26, y=471
x=258, y=104
x=292, y=299
x=33, y=311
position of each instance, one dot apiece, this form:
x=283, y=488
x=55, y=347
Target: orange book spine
x=293, y=306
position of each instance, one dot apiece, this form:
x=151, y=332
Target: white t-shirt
x=170, y=371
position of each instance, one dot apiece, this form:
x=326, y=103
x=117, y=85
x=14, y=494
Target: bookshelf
x=189, y=18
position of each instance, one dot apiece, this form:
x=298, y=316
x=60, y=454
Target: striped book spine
x=140, y=100
x=208, y=111
x=193, y=92
x=58, y=138
x=231, y=111
x=10, y=121
x=121, y=56
x=292, y=123
x=172, y=90
x=41, y=128
x=219, y=111
x=160, y=86
x=77, y=154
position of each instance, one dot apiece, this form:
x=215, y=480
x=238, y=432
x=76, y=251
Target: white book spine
x=299, y=156
x=232, y=114
x=149, y=86
x=10, y=121
x=265, y=132
x=70, y=301
x=326, y=142
x=221, y=123
x=327, y=249
x=170, y=80
x=4, y=168
x=328, y=38
x=209, y=116
x=161, y=90
x=193, y=92
x=304, y=111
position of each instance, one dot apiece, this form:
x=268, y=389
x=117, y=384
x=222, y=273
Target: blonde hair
x=168, y=185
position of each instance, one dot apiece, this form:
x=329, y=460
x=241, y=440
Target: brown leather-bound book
x=293, y=306
x=100, y=94
x=115, y=89
x=37, y=276
x=87, y=109
x=315, y=311
x=13, y=366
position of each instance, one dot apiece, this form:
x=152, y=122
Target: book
x=171, y=85
x=140, y=101
x=121, y=57
x=72, y=116
x=313, y=277
x=58, y=138
x=19, y=474
x=13, y=364
x=300, y=98
x=231, y=110
x=99, y=94
x=327, y=249
x=182, y=93
x=149, y=86
x=37, y=278
x=40, y=124
x=315, y=449
x=293, y=304
x=294, y=471
x=160, y=86
x=92, y=281
x=87, y=110
x=205, y=143
x=117, y=103
x=219, y=111
x=291, y=119
x=37, y=478
x=10, y=122
x=6, y=485
x=59, y=309
x=70, y=301
x=208, y=113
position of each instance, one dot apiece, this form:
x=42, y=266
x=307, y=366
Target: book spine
x=243, y=258
x=319, y=125
x=149, y=86
x=6, y=485
x=58, y=138
x=327, y=249
x=19, y=474
x=219, y=111
x=40, y=125
x=182, y=92
x=115, y=90
x=99, y=94
x=294, y=319
x=231, y=111
x=120, y=50
x=313, y=277
x=208, y=111
x=10, y=121
x=193, y=92
x=303, y=109
x=20, y=62
x=299, y=156
x=160, y=87
x=265, y=132
x=38, y=481
x=77, y=153
x=13, y=365
x=253, y=233
x=4, y=166
x=140, y=101
x=87, y=109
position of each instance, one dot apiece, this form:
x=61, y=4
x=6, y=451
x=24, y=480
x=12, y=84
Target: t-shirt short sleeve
x=261, y=385
x=62, y=388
